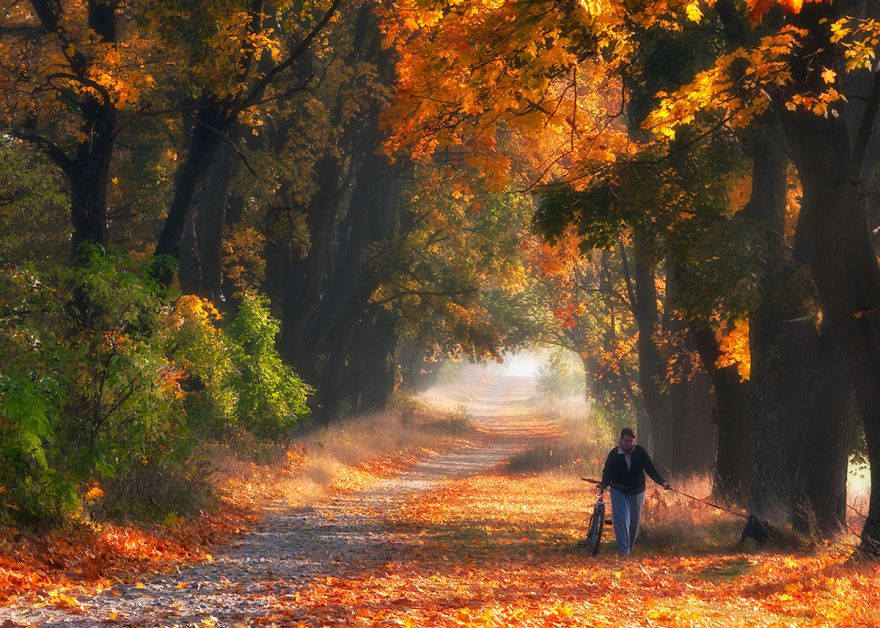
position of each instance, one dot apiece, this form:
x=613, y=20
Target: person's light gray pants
x=625, y=513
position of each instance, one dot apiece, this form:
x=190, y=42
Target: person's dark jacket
x=615, y=471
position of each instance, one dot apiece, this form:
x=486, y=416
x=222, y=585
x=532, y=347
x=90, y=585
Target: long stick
x=708, y=503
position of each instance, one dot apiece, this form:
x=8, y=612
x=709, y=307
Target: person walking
x=624, y=472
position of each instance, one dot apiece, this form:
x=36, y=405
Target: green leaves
x=24, y=411
x=596, y=214
x=271, y=399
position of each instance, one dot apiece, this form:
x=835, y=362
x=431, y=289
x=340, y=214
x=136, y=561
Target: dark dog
x=756, y=529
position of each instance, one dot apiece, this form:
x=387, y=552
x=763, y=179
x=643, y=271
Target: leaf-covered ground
x=500, y=549
x=485, y=535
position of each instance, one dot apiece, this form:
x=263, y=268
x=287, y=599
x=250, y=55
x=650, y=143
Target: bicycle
x=597, y=519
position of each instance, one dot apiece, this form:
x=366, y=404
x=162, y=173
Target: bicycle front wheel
x=594, y=535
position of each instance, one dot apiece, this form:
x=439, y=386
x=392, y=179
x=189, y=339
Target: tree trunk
x=690, y=391
x=733, y=454
x=781, y=399
x=200, y=270
x=417, y=374
x=652, y=364
x=694, y=430
x=779, y=372
x=210, y=128
x=844, y=267
x=823, y=460
x=846, y=274
x=88, y=170
x=88, y=175
x=304, y=280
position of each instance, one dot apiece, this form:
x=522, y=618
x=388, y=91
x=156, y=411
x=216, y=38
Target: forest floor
x=483, y=531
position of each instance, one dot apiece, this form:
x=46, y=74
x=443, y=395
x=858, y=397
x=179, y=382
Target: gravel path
x=292, y=548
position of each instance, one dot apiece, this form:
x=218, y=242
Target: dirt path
x=296, y=547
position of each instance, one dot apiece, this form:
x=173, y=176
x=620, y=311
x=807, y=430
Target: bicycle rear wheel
x=594, y=535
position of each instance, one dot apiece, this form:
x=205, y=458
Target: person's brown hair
x=627, y=431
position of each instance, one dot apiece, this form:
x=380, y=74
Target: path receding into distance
x=293, y=547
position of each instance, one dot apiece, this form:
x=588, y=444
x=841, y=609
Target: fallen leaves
x=500, y=550
x=58, y=566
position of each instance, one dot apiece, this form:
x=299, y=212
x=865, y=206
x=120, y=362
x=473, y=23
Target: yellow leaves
x=120, y=68
x=265, y=41
x=828, y=75
x=692, y=10
x=94, y=493
x=63, y=600
x=859, y=39
x=191, y=309
x=497, y=68
x=737, y=87
x=592, y=7
x=819, y=104
x=243, y=260
x=735, y=349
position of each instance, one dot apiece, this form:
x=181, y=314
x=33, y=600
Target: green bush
x=270, y=398
x=109, y=391
x=236, y=386
x=202, y=351
x=87, y=386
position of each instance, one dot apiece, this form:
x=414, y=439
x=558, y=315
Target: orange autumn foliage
x=734, y=347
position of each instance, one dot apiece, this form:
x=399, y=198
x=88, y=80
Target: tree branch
x=424, y=293
x=58, y=156
x=258, y=89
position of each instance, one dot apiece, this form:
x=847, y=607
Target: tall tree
x=56, y=62
x=800, y=72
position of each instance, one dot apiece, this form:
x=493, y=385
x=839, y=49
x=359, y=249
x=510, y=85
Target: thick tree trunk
x=303, y=280
x=210, y=128
x=372, y=217
x=417, y=374
x=733, y=454
x=88, y=175
x=844, y=266
x=694, y=433
x=88, y=170
x=652, y=364
x=779, y=372
x=371, y=378
x=594, y=392
x=781, y=401
x=825, y=436
x=200, y=270
x=846, y=274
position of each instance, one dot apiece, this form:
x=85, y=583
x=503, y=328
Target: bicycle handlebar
x=619, y=487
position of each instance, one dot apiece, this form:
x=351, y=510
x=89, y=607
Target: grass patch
x=726, y=571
